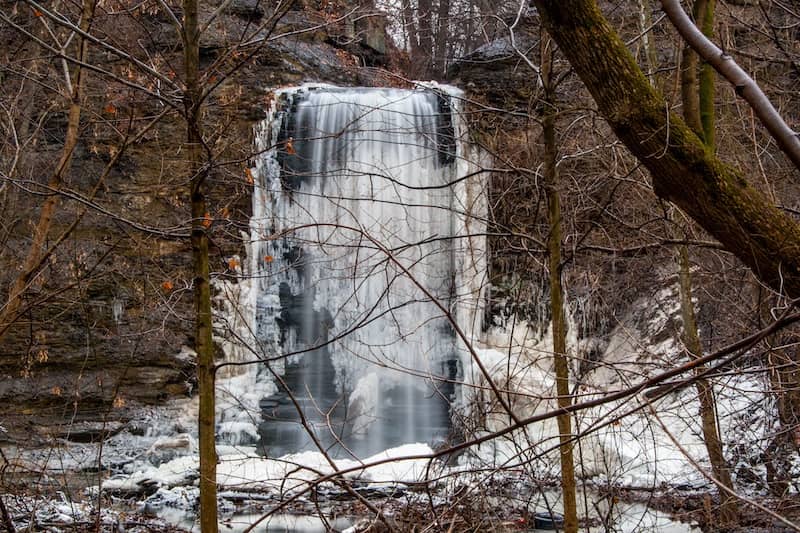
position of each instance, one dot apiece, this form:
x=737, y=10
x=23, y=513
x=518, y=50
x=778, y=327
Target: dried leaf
x=268, y=259
x=207, y=220
x=233, y=263
x=167, y=286
x=249, y=175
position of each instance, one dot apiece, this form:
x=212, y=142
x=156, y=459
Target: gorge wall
x=106, y=325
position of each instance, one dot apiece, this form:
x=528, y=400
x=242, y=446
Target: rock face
x=512, y=60
x=107, y=320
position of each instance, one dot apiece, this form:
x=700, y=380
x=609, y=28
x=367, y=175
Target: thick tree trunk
x=684, y=172
x=204, y=345
x=559, y=326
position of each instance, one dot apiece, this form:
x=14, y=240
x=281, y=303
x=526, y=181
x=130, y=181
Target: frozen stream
x=626, y=517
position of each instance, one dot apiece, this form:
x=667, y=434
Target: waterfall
x=366, y=243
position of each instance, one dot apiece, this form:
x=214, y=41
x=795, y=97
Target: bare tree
x=559, y=326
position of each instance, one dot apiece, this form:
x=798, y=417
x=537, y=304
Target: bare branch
x=742, y=83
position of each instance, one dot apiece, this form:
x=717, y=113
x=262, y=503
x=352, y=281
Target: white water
x=366, y=252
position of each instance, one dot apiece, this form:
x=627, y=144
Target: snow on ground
x=246, y=470
x=625, y=443
x=62, y=514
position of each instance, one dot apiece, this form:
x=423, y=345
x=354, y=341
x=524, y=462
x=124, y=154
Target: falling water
x=367, y=248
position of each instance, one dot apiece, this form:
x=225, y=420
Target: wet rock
x=246, y=9
x=88, y=431
x=513, y=61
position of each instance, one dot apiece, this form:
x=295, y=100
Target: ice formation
x=367, y=250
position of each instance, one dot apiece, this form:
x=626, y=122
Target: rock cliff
x=106, y=323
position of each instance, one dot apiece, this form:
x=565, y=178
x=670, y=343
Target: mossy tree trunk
x=204, y=345
x=683, y=170
x=707, y=81
x=559, y=326
x=698, y=107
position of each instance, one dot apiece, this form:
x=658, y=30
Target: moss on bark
x=684, y=172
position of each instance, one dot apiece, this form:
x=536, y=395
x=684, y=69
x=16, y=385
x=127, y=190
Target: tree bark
x=683, y=171
x=705, y=393
x=204, y=345
x=559, y=326
x=690, y=96
x=702, y=93
x=707, y=83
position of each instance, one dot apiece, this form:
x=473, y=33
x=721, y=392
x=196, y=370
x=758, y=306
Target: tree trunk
x=204, y=345
x=705, y=394
x=650, y=52
x=702, y=94
x=37, y=255
x=707, y=85
x=423, y=61
x=411, y=30
x=442, y=38
x=684, y=172
x=560, y=359
x=690, y=95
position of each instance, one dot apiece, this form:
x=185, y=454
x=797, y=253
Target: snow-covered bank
x=242, y=469
x=625, y=444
